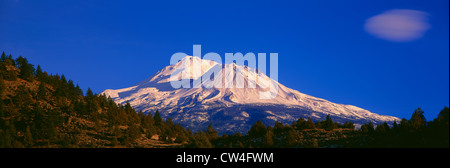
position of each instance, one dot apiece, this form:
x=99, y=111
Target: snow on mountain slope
x=230, y=109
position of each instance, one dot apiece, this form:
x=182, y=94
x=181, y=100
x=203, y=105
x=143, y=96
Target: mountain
x=230, y=109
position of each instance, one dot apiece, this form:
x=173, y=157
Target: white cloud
x=399, y=25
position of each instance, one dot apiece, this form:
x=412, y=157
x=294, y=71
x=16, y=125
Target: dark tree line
x=279, y=135
x=415, y=132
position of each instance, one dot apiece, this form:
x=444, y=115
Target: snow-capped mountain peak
x=229, y=109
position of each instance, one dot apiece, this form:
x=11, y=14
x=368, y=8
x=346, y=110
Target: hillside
x=42, y=110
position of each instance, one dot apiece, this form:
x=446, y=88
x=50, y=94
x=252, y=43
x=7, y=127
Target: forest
x=42, y=110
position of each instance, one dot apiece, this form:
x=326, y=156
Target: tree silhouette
x=257, y=130
x=417, y=120
x=328, y=124
x=26, y=69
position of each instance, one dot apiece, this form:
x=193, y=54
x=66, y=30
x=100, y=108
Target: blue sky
x=324, y=49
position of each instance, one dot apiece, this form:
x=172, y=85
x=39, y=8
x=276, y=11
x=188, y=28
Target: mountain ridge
x=230, y=109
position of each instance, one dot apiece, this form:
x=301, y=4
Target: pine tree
x=444, y=115
x=133, y=132
x=300, y=124
x=117, y=132
x=404, y=126
x=291, y=139
x=329, y=124
x=169, y=122
x=39, y=74
x=89, y=93
x=98, y=126
x=157, y=118
x=3, y=57
x=441, y=128
x=5, y=71
x=78, y=91
x=42, y=92
x=212, y=134
x=310, y=124
x=257, y=130
x=417, y=120
x=10, y=61
x=268, y=139
x=26, y=69
x=349, y=125
x=63, y=79
x=71, y=89
x=367, y=127
x=395, y=125
x=200, y=140
x=278, y=128
x=382, y=128
x=181, y=137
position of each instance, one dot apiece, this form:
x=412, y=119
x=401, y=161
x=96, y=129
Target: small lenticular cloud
x=399, y=25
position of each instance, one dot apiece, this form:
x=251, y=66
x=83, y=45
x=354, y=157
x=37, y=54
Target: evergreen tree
x=310, y=124
x=93, y=106
x=39, y=73
x=169, y=122
x=291, y=139
x=89, y=93
x=268, y=139
x=328, y=124
x=42, y=91
x=440, y=129
x=200, y=140
x=71, y=89
x=404, y=125
x=257, y=130
x=5, y=70
x=299, y=124
x=3, y=57
x=10, y=61
x=444, y=115
x=349, y=125
x=318, y=124
x=26, y=69
x=395, y=125
x=157, y=118
x=367, y=127
x=78, y=91
x=133, y=132
x=417, y=120
x=63, y=79
x=278, y=128
x=117, y=132
x=212, y=134
x=181, y=138
x=382, y=128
